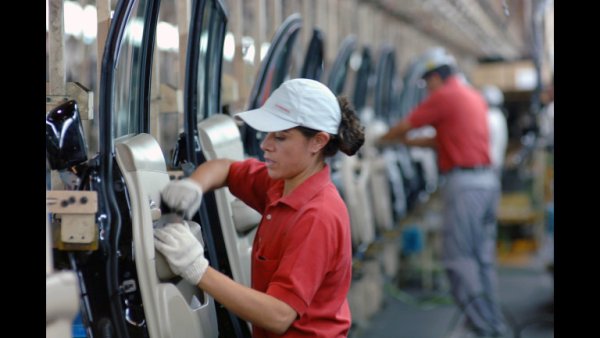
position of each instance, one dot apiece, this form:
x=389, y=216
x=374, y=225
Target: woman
x=301, y=255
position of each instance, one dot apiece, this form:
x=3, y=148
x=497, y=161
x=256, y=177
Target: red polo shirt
x=302, y=251
x=459, y=115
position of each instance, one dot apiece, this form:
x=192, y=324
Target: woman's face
x=288, y=153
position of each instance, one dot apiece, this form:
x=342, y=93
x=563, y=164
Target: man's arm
x=421, y=142
x=397, y=132
x=259, y=308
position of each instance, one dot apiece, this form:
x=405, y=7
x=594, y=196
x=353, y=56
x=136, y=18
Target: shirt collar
x=304, y=192
x=453, y=79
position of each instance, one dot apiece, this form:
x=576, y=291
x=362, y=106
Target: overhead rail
x=466, y=26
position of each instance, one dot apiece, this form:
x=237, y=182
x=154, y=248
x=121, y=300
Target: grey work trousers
x=469, y=246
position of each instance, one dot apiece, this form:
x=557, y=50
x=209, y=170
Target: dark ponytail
x=351, y=134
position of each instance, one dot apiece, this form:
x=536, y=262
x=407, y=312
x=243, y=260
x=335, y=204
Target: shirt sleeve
x=428, y=112
x=309, y=254
x=249, y=181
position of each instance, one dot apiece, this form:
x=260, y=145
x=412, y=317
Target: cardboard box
x=508, y=76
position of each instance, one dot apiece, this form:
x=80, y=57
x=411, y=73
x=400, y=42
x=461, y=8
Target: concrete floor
x=526, y=295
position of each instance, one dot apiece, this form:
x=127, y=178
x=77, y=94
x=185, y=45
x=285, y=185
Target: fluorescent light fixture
x=167, y=37
x=135, y=31
x=73, y=19
x=248, y=50
x=90, y=24
x=229, y=47
x=264, y=48
x=355, y=60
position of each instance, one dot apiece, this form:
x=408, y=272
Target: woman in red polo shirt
x=302, y=254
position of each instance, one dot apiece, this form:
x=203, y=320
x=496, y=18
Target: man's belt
x=473, y=168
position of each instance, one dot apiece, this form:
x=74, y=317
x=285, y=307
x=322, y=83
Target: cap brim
x=263, y=120
x=427, y=74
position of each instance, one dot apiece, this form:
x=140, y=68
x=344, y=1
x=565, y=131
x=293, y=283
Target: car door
x=202, y=104
x=352, y=173
x=363, y=82
x=113, y=293
x=127, y=288
x=419, y=164
x=339, y=69
x=375, y=125
x=367, y=80
x=313, y=65
x=167, y=305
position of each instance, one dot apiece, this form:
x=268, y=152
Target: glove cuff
x=194, y=272
x=192, y=184
x=195, y=204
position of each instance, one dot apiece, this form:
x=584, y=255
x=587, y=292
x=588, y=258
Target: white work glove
x=183, y=251
x=183, y=195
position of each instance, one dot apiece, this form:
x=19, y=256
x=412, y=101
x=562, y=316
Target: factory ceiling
x=485, y=29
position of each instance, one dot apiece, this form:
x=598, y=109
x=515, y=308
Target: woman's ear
x=319, y=141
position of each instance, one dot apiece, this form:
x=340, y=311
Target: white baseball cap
x=435, y=58
x=297, y=102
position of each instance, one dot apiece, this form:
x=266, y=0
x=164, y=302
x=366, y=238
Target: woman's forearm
x=212, y=174
x=256, y=307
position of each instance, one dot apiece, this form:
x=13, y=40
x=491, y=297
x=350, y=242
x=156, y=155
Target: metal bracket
x=77, y=211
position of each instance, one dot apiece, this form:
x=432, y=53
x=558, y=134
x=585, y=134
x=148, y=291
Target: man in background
x=470, y=191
